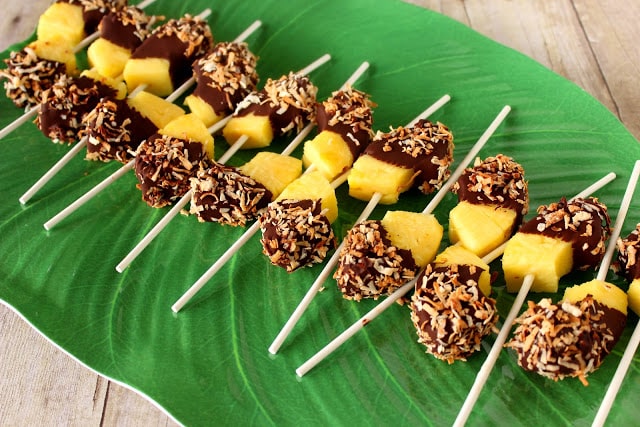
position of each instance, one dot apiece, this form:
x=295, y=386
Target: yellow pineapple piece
x=370, y=175
x=272, y=170
x=156, y=109
x=633, y=295
x=190, y=127
x=257, y=128
x=56, y=52
x=313, y=185
x=328, y=153
x=461, y=256
x=108, y=58
x=603, y=292
x=115, y=83
x=548, y=259
x=480, y=228
x=62, y=23
x=151, y=72
x=418, y=232
x=203, y=110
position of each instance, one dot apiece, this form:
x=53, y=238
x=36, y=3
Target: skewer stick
x=487, y=366
x=398, y=293
x=326, y=271
x=177, y=306
x=634, y=341
x=153, y=233
x=89, y=195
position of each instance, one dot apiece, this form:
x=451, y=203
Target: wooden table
x=591, y=42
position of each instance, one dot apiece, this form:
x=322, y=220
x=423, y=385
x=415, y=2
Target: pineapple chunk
x=190, y=127
x=156, y=109
x=203, y=110
x=257, y=128
x=56, y=52
x=62, y=23
x=461, y=256
x=151, y=72
x=272, y=170
x=313, y=186
x=108, y=58
x=480, y=228
x=634, y=296
x=117, y=84
x=370, y=175
x=603, y=292
x=546, y=258
x=419, y=233
x=328, y=153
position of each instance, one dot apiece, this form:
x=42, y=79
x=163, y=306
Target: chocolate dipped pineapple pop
x=163, y=61
x=165, y=161
x=451, y=308
x=282, y=106
x=571, y=338
x=563, y=236
x=224, y=77
x=627, y=265
x=122, y=31
x=345, y=129
x=492, y=201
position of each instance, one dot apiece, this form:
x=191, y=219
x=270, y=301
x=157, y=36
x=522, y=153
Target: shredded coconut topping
x=226, y=195
x=350, y=107
x=369, y=265
x=296, y=233
x=193, y=31
x=450, y=313
x=628, y=250
x=562, y=340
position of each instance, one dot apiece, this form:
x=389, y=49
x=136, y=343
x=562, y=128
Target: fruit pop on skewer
x=322, y=277
x=401, y=291
x=296, y=229
x=549, y=257
x=113, y=130
x=255, y=227
x=258, y=168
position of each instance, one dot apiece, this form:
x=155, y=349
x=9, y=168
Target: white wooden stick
x=246, y=33
x=54, y=170
x=29, y=114
x=88, y=195
x=327, y=269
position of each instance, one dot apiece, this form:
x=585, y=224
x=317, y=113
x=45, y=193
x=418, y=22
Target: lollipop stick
x=246, y=33
x=326, y=271
x=88, y=195
x=19, y=121
x=215, y=267
x=487, y=366
x=53, y=171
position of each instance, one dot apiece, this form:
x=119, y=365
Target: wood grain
x=590, y=42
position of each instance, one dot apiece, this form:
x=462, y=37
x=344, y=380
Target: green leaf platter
x=209, y=364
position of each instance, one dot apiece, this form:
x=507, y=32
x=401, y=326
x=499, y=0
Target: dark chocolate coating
x=584, y=223
x=627, y=264
x=119, y=28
